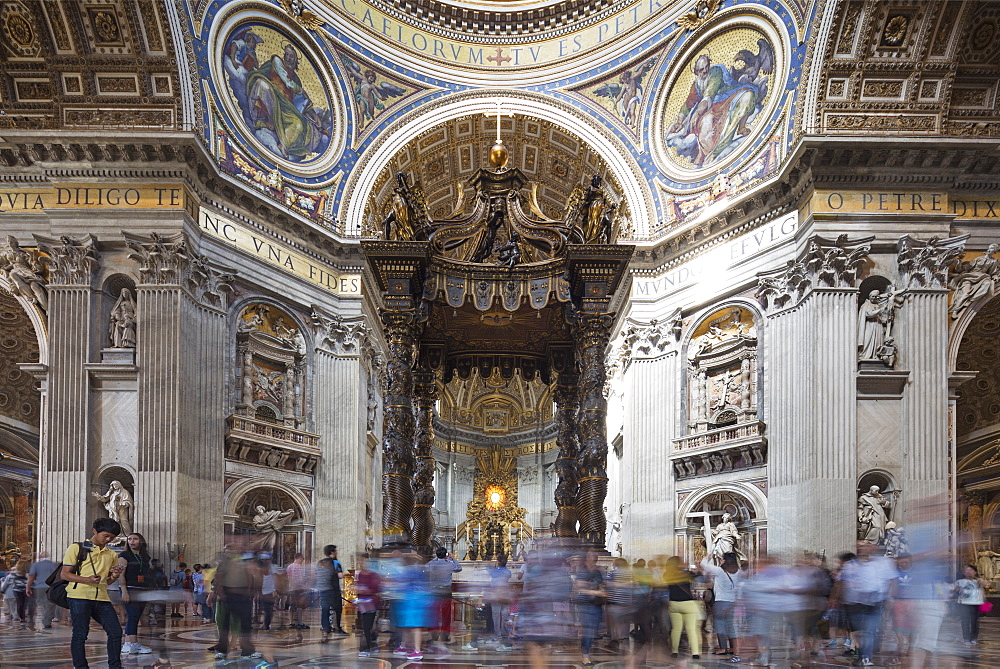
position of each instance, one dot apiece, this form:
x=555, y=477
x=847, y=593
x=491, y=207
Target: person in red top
x=367, y=585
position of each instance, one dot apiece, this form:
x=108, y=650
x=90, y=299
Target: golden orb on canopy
x=498, y=155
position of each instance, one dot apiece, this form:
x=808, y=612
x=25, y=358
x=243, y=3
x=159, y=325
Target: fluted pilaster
x=65, y=445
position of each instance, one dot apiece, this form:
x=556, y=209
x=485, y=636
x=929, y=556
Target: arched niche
x=20, y=399
x=271, y=364
x=702, y=510
x=889, y=491
x=243, y=502
x=722, y=384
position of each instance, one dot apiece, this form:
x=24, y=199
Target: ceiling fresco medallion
x=275, y=88
x=721, y=98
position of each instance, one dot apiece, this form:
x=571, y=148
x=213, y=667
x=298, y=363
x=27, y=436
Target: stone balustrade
x=266, y=444
x=723, y=449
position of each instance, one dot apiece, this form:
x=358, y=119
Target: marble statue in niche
x=726, y=538
x=123, y=321
x=268, y=526
x=872, y=515
x=119, y=504
x=875, y=321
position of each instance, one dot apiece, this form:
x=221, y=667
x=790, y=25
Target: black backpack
x=57, y=585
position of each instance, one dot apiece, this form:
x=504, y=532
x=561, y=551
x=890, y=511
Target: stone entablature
x=722, y=450
x=266, y=444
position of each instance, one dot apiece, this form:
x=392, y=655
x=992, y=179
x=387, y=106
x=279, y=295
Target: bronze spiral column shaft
x=592, y=333
x=397, y=441
x=425, y=392
x=569, y=449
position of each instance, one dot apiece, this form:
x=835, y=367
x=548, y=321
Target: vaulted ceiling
x=443, y=159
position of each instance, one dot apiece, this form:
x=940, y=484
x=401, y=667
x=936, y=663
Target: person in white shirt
x=970, y=595
x=726, y=580
x=866, y=584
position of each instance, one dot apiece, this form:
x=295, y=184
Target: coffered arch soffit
x=400, y=145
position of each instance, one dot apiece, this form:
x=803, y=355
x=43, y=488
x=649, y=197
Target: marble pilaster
x=922, y=333
x=64, y=467
x=810, y=343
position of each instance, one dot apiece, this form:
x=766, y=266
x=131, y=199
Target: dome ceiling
x=443, y=159
x=494, y=17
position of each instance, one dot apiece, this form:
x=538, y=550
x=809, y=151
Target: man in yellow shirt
x=87, y=592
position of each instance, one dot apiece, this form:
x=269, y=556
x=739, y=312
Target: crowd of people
x=864, y=607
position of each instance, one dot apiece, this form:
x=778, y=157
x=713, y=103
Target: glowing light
x=495, y=497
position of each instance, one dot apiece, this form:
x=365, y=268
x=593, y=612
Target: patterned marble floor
x=184, y=643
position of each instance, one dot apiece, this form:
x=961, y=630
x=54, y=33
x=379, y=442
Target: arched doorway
x=20, y=419
x=977, y=433
x=270, y=517
x=700, y=515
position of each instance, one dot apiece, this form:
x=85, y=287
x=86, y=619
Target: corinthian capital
x=70, y=262
x=924, y=264
x=835, y=262
x=341, y=336
x=206, y=283
x=830, y=263
x=162, y=259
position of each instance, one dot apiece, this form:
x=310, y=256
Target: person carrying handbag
x=135, y=583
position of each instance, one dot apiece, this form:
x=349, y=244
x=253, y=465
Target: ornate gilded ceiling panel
x=496, y=405
x=88, y=64
x=444, y=159
x=913, y=68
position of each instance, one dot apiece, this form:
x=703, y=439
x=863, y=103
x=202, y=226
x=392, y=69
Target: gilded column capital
x=71, y=262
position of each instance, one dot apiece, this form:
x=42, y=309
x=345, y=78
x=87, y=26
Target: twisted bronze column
x=397, y=426
x=592, y=333
x=569, y=449
x=425, y=392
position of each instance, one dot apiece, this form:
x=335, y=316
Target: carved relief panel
x=722, y=371
x=271, y=362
